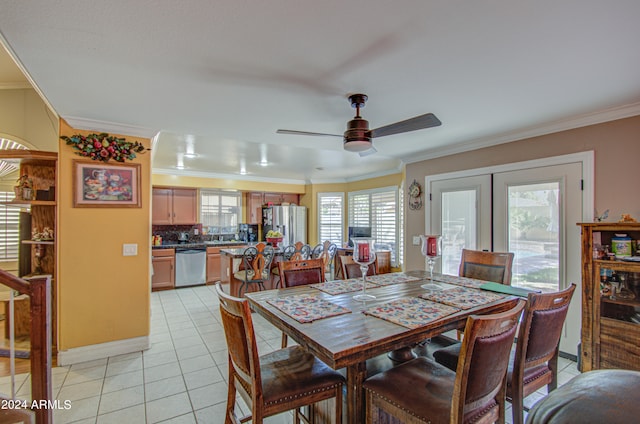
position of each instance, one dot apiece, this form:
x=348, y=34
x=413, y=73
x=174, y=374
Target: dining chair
x=325, y=251
x=533, y=362
x=300, y=273
x=488, y=266
x=293, y=252
x=350, y=269
x=423, y=391
x=256, y=261
x=283, y=380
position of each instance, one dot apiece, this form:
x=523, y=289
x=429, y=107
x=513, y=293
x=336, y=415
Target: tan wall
x=617, y=152
x=25, y=118
x=102, y=295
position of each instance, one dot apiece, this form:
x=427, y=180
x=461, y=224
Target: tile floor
x=181, y=379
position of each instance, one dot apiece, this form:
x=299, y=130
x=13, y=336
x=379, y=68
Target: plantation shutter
x=330, y=217
x=9, y=228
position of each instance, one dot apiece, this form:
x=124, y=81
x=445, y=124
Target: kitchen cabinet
x=255, y=201
x=610, y=300
x=174, y=206
x=164, y=265
x=213, y=264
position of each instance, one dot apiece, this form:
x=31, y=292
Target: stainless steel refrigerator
x=291, y=221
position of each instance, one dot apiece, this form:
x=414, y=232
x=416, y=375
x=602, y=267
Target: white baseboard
x=102, y=350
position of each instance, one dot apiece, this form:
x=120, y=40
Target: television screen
x=358, y=232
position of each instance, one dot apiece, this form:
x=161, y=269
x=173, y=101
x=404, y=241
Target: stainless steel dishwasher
x=191, y=267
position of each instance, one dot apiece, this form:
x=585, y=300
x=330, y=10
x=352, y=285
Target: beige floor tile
x=161, y=372
x=168, y=407
x=164, y=388
x=110, y=402
x=131, y=415
x=80, y=409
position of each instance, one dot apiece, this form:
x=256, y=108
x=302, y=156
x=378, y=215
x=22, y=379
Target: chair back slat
x=350, y=269
x=302, y=272
x=484, y=358
x=488, y=266
x=240, y=336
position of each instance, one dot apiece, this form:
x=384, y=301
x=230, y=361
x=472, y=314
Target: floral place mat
x=342, y=286
x=308, y=308
x=391, y=278
x=462, y=297
x=459, y=281
x=410, y=312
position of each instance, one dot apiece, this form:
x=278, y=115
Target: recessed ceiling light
x=190, y=155
x=263, y=163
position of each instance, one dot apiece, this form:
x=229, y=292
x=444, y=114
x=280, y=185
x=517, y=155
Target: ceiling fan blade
x=412, y=124
x=368, y=152
x=294, y=132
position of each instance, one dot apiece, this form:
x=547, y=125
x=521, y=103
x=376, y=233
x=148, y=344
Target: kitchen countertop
x=199, y=245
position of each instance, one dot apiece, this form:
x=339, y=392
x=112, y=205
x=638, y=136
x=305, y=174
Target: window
x=378, y=209
x=220, y=211
x=330, y=217
x=9, y=229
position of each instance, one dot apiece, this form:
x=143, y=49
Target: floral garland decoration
x=104, y=147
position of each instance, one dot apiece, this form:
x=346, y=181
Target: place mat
x=459, y=281
x=391, y=278
x=410, y=312
x=307, y=308
x=342, y=286
x=462, y=297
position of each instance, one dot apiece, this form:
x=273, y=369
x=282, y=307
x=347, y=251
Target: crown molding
x=248, y=177
x=109, y=127
x=593, y=118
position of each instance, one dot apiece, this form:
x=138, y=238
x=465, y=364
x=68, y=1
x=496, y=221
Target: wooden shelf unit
x=610, y=325
x=41, y=168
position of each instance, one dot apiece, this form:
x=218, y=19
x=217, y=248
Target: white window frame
x=397, y=239
x=339, y=231
x=220, y=193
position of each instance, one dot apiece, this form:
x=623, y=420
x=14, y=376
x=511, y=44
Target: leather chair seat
x=433, y=384
x=602, y=396
x=292, y=373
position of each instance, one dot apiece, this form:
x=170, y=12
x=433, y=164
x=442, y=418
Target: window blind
x=9, y=228
x=330, y=217
x=378, y=209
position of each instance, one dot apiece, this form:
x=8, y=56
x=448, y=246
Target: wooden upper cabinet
x=256, y=199
x=254, y=206
x=185, y=206
x=174, y=206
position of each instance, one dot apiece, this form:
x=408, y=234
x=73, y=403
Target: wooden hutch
x=37, y=204
x=610, y=299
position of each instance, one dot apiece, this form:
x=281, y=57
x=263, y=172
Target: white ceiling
x=220, y=77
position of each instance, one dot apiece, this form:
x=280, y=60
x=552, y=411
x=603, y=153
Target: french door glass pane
x=534, y=235
x=459, y=227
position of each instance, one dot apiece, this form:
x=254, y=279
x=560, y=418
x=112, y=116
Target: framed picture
x=99, y=185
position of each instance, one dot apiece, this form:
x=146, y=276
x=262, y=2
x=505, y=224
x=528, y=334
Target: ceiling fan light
x=357, y=145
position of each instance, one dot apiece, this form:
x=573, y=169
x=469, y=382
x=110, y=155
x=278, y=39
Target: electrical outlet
x=129, y=250
x=416, y=240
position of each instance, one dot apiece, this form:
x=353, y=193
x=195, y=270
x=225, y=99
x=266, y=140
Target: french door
x=531, y=211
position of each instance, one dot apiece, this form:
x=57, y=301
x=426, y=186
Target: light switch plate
x=416, y=240
x=129, y=250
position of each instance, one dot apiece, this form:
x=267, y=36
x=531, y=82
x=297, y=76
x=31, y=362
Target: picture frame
x=100, y=185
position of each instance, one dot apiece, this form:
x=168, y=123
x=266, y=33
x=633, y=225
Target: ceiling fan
x=358, y=137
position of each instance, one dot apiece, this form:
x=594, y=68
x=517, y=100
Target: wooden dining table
x=350, y=339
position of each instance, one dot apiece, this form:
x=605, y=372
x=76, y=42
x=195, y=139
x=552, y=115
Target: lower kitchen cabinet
x=164, y=265
x=213, y=264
